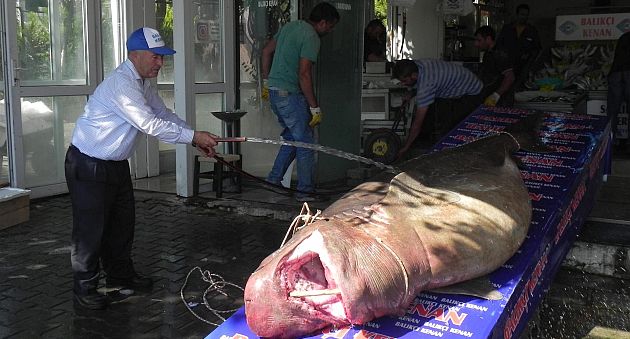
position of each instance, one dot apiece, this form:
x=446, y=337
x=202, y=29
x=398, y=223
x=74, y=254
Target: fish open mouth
x=307, y=278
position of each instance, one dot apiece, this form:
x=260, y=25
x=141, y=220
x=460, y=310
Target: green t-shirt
x=295, y=40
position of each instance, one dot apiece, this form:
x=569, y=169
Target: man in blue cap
x=123, y=107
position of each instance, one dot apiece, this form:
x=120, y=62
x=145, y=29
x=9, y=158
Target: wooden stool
x=217, y=174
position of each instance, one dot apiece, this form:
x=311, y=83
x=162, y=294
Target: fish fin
x=479, y=287
x=526, y=132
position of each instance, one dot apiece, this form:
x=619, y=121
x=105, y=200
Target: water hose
x=275, y=187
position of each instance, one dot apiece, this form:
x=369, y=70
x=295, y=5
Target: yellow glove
x=264, y=93
x=492, y=99
x=316, y=116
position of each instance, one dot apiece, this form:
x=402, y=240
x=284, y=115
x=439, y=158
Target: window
x=51, y=42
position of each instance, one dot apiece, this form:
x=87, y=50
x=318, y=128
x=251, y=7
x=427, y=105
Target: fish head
x=330, y=273
x=272, y=310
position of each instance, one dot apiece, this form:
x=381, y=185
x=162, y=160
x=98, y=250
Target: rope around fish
x=217, y=284
x=306, y=217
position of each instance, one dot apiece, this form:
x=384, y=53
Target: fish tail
x=527, y=133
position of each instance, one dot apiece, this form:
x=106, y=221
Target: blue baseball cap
x=148, y=39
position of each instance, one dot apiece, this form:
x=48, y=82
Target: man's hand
x=492, y=99
x=264, y=92
x=205, y=142
x=316, y=116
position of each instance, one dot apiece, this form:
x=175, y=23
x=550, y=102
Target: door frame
x=4, y=55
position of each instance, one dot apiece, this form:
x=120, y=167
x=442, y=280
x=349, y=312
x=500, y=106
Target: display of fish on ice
x=450, y=216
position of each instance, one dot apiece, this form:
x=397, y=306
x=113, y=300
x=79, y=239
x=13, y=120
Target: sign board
x=598, y=107
x=592, y=26
x=202, y=31
x=267, y=3
x=207, y=31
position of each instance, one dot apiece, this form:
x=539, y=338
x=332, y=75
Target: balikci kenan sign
x=592, y=26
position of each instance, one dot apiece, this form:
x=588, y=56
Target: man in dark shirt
x=619, y=81
x=496, y=71
x=521, y=41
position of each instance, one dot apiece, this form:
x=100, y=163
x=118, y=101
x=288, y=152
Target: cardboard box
x=14, y=206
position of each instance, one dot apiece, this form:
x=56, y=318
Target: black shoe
x=91, y=301
x=310, y=198
x=137, y=282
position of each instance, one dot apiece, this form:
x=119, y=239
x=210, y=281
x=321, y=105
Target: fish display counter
x=556, y=101
x=562, y=186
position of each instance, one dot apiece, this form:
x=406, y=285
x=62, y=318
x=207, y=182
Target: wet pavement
x=182, y=241
x=173, y=236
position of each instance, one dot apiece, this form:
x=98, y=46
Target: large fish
x=451, y=216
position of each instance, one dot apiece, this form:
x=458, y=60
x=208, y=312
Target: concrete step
x=620, y=167
x=605, y=260
x=607, y=333
x=616, y=189
x=609, y=220
x=577, y=302
x=606, y=231
x=603, y=244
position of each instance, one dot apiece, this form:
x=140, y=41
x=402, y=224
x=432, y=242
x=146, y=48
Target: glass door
x=50, y=81
x=212, y=66
x=258, y=22
x=338, y=70
x=212, y=50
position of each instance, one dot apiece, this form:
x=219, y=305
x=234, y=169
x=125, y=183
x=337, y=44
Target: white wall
x=425, y=31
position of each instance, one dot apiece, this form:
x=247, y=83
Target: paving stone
x=12, y=304
x=6, y=317
x=4, y=331
x=61, y=331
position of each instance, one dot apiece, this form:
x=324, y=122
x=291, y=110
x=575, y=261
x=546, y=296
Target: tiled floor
x=252, y=191
x=173, y=236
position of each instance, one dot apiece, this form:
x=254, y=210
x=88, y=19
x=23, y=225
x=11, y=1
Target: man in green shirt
x=294, y=49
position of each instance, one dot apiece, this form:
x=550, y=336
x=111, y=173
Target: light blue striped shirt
x=442, y=79
x=123, y=105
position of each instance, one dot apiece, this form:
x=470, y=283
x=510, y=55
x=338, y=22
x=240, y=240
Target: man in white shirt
x=124, y=106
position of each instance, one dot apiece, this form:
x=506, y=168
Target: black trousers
x=103, y=213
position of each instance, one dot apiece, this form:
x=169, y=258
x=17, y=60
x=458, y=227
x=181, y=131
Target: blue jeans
x=294, y=116
x=618, y=92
